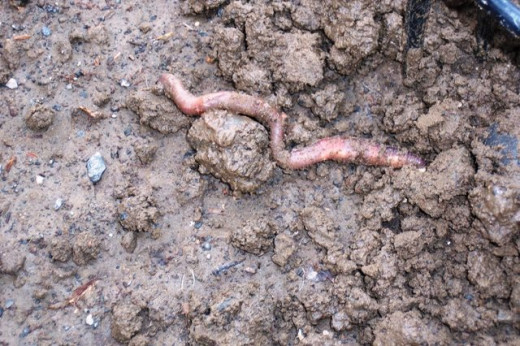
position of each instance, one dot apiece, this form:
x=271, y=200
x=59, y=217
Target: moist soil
x=194, y=235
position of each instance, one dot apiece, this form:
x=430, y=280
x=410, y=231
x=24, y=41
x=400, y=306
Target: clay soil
x=194, y=235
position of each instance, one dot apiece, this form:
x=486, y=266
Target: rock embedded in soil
x=233, y=148
x=126, y=321
x=96, y=167
x=39, y=118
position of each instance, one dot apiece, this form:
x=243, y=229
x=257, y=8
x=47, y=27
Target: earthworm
x=338, y=148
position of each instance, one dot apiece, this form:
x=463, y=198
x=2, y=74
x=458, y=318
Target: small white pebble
x=110, y=235
x=12, y=84
x=89, y=320
x=68, y=86
x=114, y=115
x=197, y=24
x=58, y=204
x=39, y=179
x=125, y=83
x=250, y=270
x=208, y=256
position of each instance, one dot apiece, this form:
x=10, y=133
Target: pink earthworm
x=337, y=148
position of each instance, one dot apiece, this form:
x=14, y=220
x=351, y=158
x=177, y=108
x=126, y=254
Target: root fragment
x=337, y=148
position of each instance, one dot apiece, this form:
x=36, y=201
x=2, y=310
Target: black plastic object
x=416, y=17
x=507, y=13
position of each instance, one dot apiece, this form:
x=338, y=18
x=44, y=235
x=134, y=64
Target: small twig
x=76, y=295
x=165, y=37
x=21, y=37
x=92, y=114
x=223, y=268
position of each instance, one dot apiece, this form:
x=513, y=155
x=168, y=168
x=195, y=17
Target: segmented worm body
x=338, y=148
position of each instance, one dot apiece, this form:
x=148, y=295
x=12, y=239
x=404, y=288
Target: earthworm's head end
x=416, y=161
x=166, y=80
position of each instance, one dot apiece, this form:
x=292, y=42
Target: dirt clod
x=61, y=249
x=39, y=118
x=233, y=148
x=409, y=328
x=284, y=247
x=156, y=112
x=11, y=260
x=138, y=213
x=450, y=175
x=129, y=241
x=86, y=248
x=255, y=238
x=126, y=321
x=145, y=151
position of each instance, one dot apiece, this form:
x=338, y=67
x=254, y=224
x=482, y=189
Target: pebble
x=206, y=246
x=25, y=332
x=46, y=31
x=12, y=84
x=58, y=204
x=89, y=320
x=96, y=167
x=250, y=270
x=9, y=303
x=39, y=179
x=125, y=83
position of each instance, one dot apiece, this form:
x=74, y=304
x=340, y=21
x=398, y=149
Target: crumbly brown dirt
x=195, y=236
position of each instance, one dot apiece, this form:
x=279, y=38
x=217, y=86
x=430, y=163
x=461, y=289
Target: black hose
x=507, y=13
